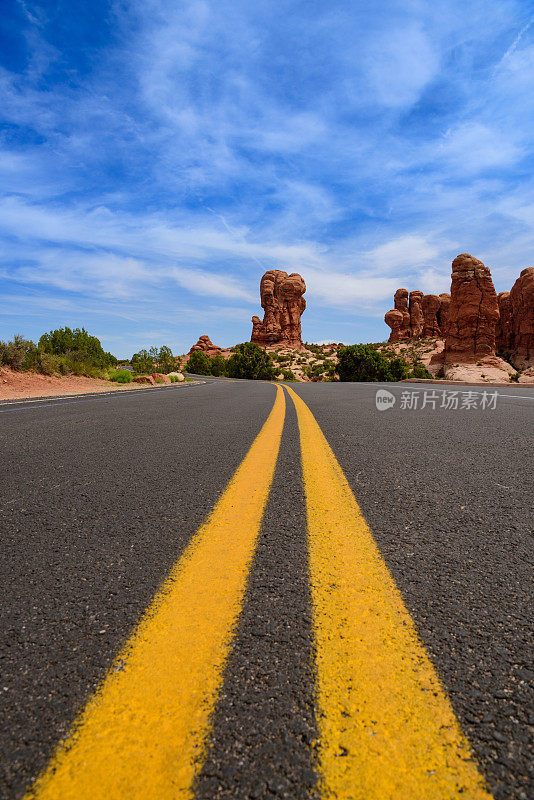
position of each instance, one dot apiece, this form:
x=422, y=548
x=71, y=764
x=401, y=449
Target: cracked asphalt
x=100, y=497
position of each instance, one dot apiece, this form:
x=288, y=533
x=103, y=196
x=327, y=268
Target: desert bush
x=15, y=352
x=142, y=362
x=165, y=359
x=362, y=362
x=121, y=376
x=250, y=361
x=198, y=363
x=288, y=375
x=399, y=369
x=420, y=371
x=78, y=346
x=218, y=366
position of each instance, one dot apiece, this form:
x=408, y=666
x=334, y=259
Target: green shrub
x=121, y=376
x=288, y=375
x=198, y=363
x=142, y=362
x=165, y=359
x=78, y=346
x=420, y=371
x=250, y=361
x=15, y=353
x=218, y=366
x=362, y=362
x=399, y=369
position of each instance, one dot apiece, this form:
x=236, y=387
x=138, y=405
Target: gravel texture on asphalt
x=262, y=745
x=99, y=499
x=449, y=498
x=100, y=496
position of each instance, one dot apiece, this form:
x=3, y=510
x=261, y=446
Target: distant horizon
x=157, y=158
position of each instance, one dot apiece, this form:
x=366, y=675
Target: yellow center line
x=142, y=734
x=386, y=727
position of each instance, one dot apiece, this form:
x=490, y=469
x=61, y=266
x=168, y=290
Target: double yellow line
x=386, y=727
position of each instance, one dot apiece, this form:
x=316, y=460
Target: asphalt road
x=101, y=496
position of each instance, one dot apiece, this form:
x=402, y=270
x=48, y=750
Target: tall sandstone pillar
x=283, y=304
x=473, y=312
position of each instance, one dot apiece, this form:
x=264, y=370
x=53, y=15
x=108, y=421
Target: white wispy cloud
x=363, y=145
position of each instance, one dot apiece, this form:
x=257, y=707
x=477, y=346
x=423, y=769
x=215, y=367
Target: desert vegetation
x=60, y=352
x=248, y=360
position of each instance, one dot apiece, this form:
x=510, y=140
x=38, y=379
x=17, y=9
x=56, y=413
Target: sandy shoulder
x=22, y=385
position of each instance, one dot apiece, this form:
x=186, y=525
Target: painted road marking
x=142, y=734
x=386, y=726
x=73, y=399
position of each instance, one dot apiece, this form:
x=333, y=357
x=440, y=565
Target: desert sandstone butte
x=283, y=303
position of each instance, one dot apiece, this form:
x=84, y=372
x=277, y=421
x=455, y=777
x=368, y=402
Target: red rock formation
x=400, y=299
x=473, y=313
x=145, y=379
x=283, y=303
x=417, y=319
x=504, y=328
x=398, y=318
x=205, y=344
x=159, y=377
x=443, y=313
x=522, y=303
x=431, y=305
x=395, y=320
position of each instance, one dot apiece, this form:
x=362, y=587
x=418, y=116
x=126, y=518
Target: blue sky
x=157, y=156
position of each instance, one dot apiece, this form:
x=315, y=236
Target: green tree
x=165, y=359
x=77, y=345
x=399, y=369
x=420, y=371
x=218, y=365
x=198, y=363
x=250, y=361
x=361, y=362
x=142, y=362
x=19, y=353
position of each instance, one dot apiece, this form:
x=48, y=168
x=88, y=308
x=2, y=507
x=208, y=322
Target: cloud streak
x=185, y=148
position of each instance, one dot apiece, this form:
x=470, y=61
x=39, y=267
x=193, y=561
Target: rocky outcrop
x=395, y=320
x=398, y=318
x=522, y=319
x=473, y=312
x=159, y=377
x=206, y=345
x=473, y=321
x=417, y=319
x=145, y=379
x=503, y=331
x=443, y=313
x=283, y=303
x=415, y=316
x=431, y=305
x=515, y=328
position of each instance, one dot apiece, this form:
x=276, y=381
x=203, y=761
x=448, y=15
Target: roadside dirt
x=20, y=385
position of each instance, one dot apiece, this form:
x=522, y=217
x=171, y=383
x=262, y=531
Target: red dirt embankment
x=19, y=385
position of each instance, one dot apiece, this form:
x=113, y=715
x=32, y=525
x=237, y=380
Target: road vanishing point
x=241, y=590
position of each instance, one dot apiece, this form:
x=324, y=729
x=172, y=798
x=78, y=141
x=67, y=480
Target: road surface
x=231, y=590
